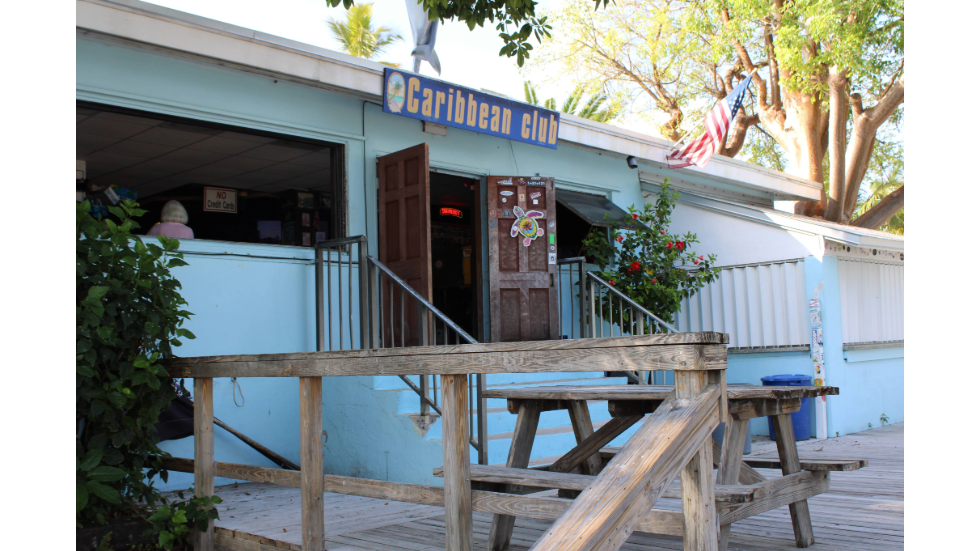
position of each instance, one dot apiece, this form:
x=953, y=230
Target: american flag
x=716, y=124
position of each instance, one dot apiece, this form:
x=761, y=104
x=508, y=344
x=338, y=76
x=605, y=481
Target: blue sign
x=410, y=95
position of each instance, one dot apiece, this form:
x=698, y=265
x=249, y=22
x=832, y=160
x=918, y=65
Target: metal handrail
x=631, y=302
x=478, y=385
x=421, y=300
x=368, y=308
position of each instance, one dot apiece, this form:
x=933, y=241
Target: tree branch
x=837, y=144
x=878, y=215
x=743, y=56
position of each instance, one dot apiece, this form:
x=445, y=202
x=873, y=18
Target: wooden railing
x=675, y=439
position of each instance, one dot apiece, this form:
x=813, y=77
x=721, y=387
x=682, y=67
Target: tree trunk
x=837, y=143
x=801, y=135
x=878, y=215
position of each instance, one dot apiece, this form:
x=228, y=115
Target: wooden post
x=578, y=413
x=204, y=454
x=311, y=461
x=697, y=487
x=730, y=465
x=502, y=526
x=456, y=462
x=789, y=459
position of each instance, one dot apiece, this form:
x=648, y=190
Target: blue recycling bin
x=801, y=419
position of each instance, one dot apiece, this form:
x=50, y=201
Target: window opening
x=235, y=184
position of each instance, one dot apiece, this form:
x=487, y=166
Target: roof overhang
x=839, y=233
x=211, y=41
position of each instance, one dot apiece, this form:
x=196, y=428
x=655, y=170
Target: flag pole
x=686, y=134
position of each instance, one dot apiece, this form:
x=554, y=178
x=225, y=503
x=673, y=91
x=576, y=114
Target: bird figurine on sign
x=526, y=225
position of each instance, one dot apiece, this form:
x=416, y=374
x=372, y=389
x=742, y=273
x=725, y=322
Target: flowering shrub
x=656, y=269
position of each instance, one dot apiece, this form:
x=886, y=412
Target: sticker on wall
x=521, y=197
x=551, y=238
x=493, y=213
x=507, y=213
x=506, y=193
x=493, y=222
x=552, y=258
x=507, y=182
x=526, y=225
x=551, y=224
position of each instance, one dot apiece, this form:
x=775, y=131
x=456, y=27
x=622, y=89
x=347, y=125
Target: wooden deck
x=864, y=510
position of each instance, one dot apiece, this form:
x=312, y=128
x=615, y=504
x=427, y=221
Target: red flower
x=662, y=232
x=611, y=282
x=679, y=245
x=654, y=281
x=701, y=257
x=670, y=245
x=636, y=216
x=696, y=262
x=619, y=239
x=635, y=267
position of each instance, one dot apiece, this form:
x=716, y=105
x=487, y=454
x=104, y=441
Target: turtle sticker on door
x=526, y=225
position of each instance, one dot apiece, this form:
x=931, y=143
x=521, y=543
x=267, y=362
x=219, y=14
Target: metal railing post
x=581, y=299
x=318, y=259
x=364, y=287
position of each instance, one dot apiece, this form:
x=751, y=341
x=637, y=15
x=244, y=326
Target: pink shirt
x=171, y=229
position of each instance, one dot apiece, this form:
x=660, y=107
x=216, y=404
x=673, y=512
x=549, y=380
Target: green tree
x=128, y=316
x=357, y=34
x=653, y=267
x=516, y=20
x=814, y=64
x=595, y=107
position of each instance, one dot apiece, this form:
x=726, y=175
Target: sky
x=467, y=58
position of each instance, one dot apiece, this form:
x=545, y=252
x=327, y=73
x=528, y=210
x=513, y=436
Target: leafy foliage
x=357, y=34
x=595, y=107
x=656, y=269
x=516, y=20
x=128, y=316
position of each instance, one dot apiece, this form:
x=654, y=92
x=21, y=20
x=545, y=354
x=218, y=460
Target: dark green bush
x=128, y=314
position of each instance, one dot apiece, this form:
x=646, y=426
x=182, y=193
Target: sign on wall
x=819, y=368
x=426, y=99
x=220, y=200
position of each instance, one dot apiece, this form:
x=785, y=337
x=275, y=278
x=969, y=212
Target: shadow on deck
x=864, y=510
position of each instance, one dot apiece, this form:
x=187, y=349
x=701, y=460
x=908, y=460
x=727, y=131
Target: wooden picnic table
x=574, y=471
x=617, y=502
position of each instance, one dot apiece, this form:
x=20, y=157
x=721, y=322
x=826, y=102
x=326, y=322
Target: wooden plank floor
x=864, y=510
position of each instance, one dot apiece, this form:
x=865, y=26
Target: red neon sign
x=446, y=211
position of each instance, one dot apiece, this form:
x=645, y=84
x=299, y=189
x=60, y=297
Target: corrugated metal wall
x=757, y=305
x=872, y=301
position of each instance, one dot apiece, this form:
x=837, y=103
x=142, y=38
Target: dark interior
x=454, y=223
x=287, y=190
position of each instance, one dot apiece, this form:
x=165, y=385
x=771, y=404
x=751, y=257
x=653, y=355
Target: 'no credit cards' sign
x=220, y=200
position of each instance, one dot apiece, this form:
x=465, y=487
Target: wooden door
x=404, y=239
x=523, y=258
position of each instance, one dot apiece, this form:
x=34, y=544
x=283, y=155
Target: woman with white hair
x=173, y=220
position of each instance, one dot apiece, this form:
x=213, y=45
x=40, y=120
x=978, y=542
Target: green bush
x=128, y=317
x=656, y=269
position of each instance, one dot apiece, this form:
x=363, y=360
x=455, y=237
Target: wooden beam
x=655, y=521
x=204, y=454
x=608, y=511
x=644, y=393
x=744, y=410
x=590, y=446
x=810, y=464
x=678, y=357
x=780, y=492
x=456, y=461
x=533, y=480
x=697, y=486
x=799, y=511
x=578, y=414
x=502, y=526
x=311, y=461
x=730, y=465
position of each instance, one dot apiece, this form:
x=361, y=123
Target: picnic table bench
x=739, y=492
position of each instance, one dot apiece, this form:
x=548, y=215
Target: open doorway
x=455, y=246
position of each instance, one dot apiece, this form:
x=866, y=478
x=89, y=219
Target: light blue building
x=174, y=106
